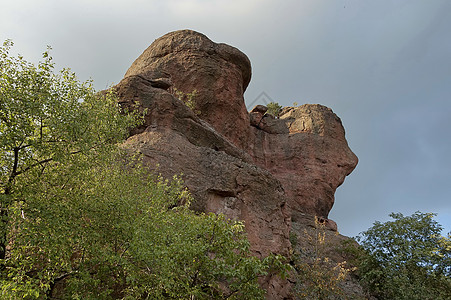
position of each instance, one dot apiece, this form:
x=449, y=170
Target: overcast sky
x=383, y=66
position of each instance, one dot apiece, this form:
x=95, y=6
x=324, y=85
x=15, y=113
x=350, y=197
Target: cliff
x=275, y=174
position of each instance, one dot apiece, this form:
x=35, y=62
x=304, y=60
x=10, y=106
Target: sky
x=384, y=67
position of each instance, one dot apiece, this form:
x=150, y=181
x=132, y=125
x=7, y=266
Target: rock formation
x=306, y=150
x=218, y=73
x=272, y=173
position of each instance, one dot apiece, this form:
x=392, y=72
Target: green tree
x=274, y=108
x=48, y=120
x=116, y=232
x=407, y=258
x=83, y=220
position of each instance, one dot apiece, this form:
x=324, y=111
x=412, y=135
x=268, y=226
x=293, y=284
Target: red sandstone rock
x=269, y=172
x=221, y=177
x=219, y=74
x=305, y=148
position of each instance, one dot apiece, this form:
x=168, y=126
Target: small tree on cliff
x=73, y=212
x=274, y=108
x=406, y=258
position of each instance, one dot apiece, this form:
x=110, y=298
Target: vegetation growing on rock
x=188, y=99
x=318, y=276
x=274, y=108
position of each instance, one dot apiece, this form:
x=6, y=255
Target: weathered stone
x=166, y=111
x=221, y=177
x=161, y=83
x=259, y=109
x=223, y=184
x=307, y=151
x=268, y=172
x=218, y=73
x=255, y=119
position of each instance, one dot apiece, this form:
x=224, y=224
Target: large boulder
x=218, y=74
x=270, y=172
x=221, y=177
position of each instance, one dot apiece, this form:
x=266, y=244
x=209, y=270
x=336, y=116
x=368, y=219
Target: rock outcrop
x=269, y=172
x=222, y=177
x=305, y=148
x=217, y=73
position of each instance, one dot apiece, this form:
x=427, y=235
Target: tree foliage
x=115, y=232
x=48, y=120
x=274, y=108
x=407, y=258
x=83, y=220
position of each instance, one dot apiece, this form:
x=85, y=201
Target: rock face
x=221, y=177
x=217, y=73
x=305, y=148
x=269, y=172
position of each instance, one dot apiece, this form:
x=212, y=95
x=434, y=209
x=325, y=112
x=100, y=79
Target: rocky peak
x=272, y=173
x=218, y=74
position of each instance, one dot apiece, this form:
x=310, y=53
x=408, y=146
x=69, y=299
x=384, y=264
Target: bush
x=274, y=108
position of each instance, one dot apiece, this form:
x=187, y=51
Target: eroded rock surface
x=217, y=73
x=221, y=177
x=264, y=170
x=305, y=148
